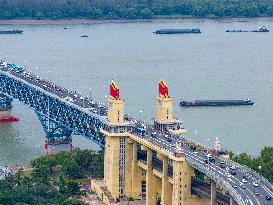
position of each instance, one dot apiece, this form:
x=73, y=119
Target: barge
x=215, y=103
x=177, y=31
x=12, y=32
x=262, y=29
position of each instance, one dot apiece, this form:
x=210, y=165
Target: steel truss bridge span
x=60, y=118
x=55, y=113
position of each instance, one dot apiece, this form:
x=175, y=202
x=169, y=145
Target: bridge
x=151, y=162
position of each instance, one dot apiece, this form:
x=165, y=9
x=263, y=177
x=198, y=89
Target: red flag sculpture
x=163, y=88
x=114, y=90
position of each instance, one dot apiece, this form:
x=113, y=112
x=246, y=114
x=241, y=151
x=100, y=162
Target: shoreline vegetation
x=124, y=10
x=53, y=179
x=64, y=22
x=56, y=179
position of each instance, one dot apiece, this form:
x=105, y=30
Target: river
x=211, y=65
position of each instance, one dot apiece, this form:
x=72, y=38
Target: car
x=255, y=184
x=211, y=159
x=244, y=177
x=256, y=193
x=232, y=172
x=228, y=175
x=222, y=166
x=234, y=186
x=45, y=87
x=82, y=98
x=222, y=162
x=242, y=186
x=208, y=155
x=193, y=148
x=206, y=161
x=268, y=198
x=69, y=99
x=232, y=167
x=153, y=134
x=195, y=152
x=248, y=176
x=169, y=140
x=244, y=180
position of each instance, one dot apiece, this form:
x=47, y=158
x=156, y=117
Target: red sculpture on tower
x=114, y=90
x=163, y=89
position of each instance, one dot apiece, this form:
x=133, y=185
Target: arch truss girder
x=5, y=101
x=61, y=114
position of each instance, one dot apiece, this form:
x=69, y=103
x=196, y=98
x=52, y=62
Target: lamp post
x=90, y=93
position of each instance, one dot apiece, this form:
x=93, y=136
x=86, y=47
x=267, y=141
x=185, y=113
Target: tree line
x=132, y=9
x=263, y=164
x=52, y=180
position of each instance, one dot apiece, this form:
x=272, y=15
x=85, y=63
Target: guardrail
x=251, y=171
x=215, y=177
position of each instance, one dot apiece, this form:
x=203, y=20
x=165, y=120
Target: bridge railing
x=215, y=177
x=246, y=169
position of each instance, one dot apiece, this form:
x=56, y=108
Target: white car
x=232, y=167
x=244, y=180
x=82, y=98
x=209, y=156
x=69, y=99
x=255, y=184
x=195, y=152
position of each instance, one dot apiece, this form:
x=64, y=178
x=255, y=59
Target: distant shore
x=99, y=21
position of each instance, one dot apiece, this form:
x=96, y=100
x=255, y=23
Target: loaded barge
x=12, y=32
x=262, y=29
x=215, y=103
x=177, y=31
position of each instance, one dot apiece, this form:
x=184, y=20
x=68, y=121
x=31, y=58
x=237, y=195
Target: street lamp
x=90, y=93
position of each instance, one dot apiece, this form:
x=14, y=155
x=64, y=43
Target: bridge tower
x=164, y=119
x=116, y=134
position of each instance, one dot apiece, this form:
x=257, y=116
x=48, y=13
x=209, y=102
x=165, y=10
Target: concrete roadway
x=165, y=141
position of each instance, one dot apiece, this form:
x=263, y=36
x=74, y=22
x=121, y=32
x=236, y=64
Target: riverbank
x=101, y=21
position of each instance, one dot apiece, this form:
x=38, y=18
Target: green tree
x=146, y=13
x=72, y=202
x=71, y=169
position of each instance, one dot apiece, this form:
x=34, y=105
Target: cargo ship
x=12, y=32
x=215, y=103
x=259, y=30
x=177, y=31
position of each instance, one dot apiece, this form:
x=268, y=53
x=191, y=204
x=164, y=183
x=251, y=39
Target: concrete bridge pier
x=166, y=197
x=136, y=175
x=213, y=193
x=53, y=146
x=150, y=180
x=58, y=138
